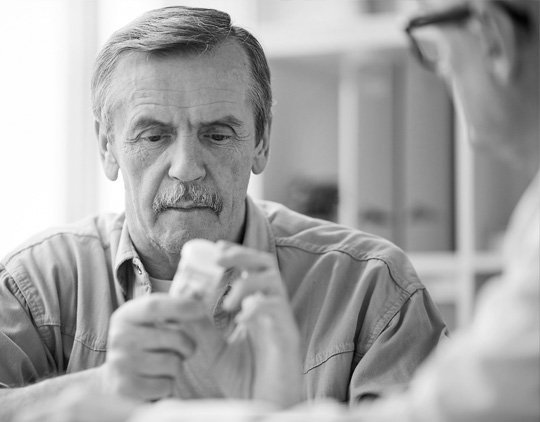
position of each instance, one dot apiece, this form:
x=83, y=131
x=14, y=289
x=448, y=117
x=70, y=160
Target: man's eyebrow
x=144, y=122
x=229, y=120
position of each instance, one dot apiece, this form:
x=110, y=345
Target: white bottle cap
x=198, y=274
x=200, y=251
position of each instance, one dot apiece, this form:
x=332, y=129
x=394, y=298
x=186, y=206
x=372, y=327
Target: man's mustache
x=198, y=195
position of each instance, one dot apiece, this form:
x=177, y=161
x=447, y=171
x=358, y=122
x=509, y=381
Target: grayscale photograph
x=270, y=211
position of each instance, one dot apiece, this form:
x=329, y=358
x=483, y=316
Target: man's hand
x=151, y=337
x=260, y=360
x=268, y=322
x=147, y=346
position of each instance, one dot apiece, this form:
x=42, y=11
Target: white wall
x=33, y=139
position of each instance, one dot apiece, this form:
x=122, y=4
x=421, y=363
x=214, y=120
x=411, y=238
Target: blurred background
x=362, y=135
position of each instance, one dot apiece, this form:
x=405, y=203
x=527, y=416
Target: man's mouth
x=186, y=207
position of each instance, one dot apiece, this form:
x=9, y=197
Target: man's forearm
x=13, y=400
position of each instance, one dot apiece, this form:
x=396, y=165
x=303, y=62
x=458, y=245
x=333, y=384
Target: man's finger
x=146, y=388
x=144, y=364
x=266, y=282
x=257, y=305
x=157, y=338
x=158, y=308
x=237, y=256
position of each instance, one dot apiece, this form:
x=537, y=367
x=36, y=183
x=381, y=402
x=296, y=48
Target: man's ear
x=500, y=39
x=262, y=152
x=106, y=152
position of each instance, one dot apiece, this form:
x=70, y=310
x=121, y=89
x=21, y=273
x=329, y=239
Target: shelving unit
x=313, y=138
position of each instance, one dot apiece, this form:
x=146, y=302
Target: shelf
x=435, y=262
x=449, y=262
x=441, y=272
x=487, y=262
x=297, y=39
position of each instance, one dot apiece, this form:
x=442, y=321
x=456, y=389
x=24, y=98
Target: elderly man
x=182, y=105
x=488, y=51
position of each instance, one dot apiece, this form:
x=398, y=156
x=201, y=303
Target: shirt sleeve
x=409, y=337
x=24, y=358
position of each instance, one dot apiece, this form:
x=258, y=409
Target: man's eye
x=218, y=137
x=154, y=138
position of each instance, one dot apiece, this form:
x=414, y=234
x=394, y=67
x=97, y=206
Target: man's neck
x=160, y=265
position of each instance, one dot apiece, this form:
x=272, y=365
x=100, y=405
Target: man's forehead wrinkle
x=167, y=91
x=188, y=91
x=168, y=74
x=168, y=98
x=160, y=84
x=190, y=106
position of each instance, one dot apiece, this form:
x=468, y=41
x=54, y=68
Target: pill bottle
x=198, y=274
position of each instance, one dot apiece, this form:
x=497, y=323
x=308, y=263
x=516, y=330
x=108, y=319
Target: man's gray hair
x=170, y=30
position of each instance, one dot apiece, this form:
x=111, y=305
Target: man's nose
x=186, y=159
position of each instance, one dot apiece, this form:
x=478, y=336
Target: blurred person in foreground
x=488, y=52
x=182, y=102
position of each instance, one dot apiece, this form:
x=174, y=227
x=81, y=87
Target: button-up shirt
x=366, y=321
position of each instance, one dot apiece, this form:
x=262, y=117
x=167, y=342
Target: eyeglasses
x=425, y=44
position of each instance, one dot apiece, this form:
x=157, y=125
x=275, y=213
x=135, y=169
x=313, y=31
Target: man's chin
x=187, y=217
x=175, y=228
